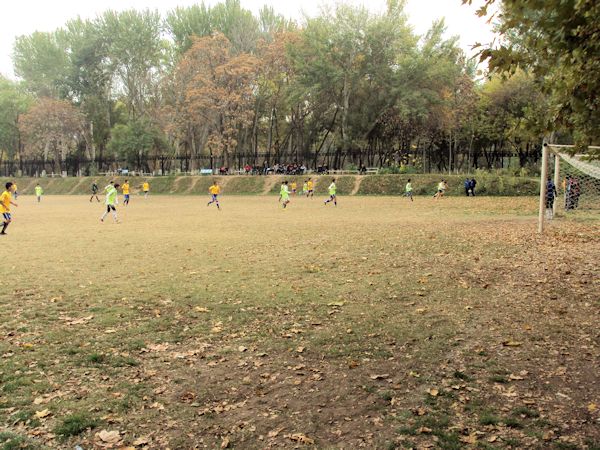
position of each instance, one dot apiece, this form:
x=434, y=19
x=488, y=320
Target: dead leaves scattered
x=301, y=438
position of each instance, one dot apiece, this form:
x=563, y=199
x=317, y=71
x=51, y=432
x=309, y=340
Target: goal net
x=575, y=180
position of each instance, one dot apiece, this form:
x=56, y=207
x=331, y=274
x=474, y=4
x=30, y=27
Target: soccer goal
x=575, y=178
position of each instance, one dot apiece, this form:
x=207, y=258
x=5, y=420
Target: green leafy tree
x=134, y=142
x=14, y=102
x=41, y=60
x=135, y=51
x=559, y=42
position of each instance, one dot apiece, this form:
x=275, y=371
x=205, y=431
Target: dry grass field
x=378, y=324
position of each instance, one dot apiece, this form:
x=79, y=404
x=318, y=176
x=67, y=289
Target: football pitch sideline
x=379, y=323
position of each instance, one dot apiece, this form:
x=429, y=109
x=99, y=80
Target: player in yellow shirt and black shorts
x=311, y=188
x=146, y=188
x=214, y=191
x=5, y=202
x=125, y=189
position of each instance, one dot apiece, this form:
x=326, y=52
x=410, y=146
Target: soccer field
x=377, y=324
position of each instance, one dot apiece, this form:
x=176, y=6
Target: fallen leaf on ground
x=43, y=413
x=110, y=437
x=433, y=392
x=336, y=304
x=274, y=433
x=225, y=443
x=303, y=439
x=141, y=441
x=380, y=377
x=470, y=439
x=512, y=343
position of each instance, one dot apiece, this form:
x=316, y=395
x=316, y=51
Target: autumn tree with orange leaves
x=214, y=95
x=52, y=127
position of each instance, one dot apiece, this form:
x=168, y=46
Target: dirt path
x=269, y=183
x=357, y=183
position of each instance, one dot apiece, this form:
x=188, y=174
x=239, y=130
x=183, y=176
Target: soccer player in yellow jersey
x=311, y=186
x=214, y=190
x=146, y=188
x=5, y=202
x=294, y=186
x=15, y=190
x=125, y=189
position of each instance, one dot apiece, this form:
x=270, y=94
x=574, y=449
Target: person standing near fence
x=472, y=186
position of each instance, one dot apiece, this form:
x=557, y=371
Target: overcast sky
x=26, y=16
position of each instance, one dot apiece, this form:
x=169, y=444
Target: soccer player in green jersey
x=409, y=190
x=111, y=200
x=38, y=192
x=332, y=191
x=284, y=194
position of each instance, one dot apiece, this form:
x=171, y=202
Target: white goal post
x=573, y=175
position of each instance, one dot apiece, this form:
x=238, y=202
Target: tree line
x=212, y=86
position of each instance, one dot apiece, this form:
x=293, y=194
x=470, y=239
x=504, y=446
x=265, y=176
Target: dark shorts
x=110, y=207
x=550, y=202
x=126, y=196
x=6, y=216
x=214, y=197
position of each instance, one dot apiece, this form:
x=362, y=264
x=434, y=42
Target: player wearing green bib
x=332, y=191
x=284, y=194
x=38, y=192
x=409, y=190
x=111, y=200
